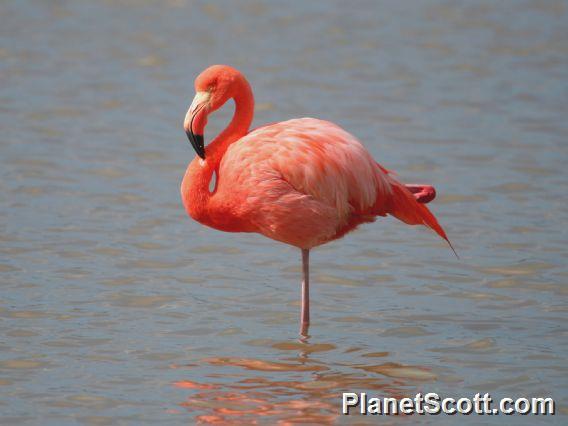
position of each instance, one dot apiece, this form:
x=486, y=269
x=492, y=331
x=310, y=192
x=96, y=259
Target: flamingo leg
x=423, y=193
x=305, y=313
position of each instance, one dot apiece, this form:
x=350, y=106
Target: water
x=117, y=308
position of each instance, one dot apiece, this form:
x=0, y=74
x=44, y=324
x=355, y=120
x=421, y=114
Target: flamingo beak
x=197, y=143
x=195, y=120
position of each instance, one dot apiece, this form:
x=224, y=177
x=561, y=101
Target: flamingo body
x=303, y=182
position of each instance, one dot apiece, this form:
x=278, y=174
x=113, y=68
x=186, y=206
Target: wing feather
x=316, y=158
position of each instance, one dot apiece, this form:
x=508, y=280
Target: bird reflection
x=300, y=389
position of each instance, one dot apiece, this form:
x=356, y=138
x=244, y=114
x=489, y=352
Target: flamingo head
x=213, y=87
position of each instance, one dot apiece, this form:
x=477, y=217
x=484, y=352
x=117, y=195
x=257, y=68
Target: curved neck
x=195, y=186
x=237, y=128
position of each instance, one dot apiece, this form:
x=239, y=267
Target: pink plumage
x=300, y=181
x=303, y=182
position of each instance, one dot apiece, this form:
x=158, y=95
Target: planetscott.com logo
x=432, y=403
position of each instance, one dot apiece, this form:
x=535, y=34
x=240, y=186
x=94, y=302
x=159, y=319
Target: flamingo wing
x=300, y=181
x=306, y=181
x=317, y=158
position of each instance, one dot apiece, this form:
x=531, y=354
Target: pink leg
x=305, y=314
x=423, y=193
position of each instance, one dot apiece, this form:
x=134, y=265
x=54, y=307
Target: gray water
x=118, y=308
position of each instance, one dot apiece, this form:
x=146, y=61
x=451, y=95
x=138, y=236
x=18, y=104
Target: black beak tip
x=198, y=143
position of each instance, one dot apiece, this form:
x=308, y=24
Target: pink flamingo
x=303, y=182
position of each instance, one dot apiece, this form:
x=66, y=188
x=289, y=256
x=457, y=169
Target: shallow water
x=118, y=308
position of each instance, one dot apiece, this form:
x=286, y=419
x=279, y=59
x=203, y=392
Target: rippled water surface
x=117, y=307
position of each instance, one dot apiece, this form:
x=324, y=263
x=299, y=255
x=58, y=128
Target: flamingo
x=303, y=182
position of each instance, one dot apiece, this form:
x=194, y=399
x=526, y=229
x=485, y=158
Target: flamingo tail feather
x=409, y=208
